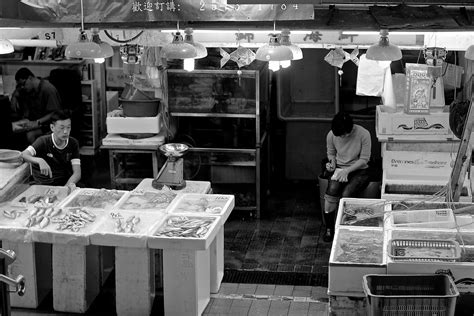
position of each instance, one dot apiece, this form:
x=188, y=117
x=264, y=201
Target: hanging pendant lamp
x=106, y=50
x=6, y=47
x=178, y=48
x=470, y=52
x=83, y=48
x=274, y=51
x=201, y=51
x=383, y=50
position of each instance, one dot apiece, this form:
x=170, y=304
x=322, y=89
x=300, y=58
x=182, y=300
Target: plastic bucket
x=140, y=108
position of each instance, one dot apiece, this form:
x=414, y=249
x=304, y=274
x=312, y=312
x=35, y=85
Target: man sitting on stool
x=348, y=151
x=55, y=157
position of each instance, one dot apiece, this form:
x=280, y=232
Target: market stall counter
x=377, y=236
x=183, y=225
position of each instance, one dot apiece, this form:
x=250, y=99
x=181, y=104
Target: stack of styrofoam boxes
x=358, y=249
x=462, y=270
x=433, y=126
x=417, y=171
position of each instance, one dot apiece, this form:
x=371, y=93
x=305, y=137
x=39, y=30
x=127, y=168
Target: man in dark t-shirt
x=55, y=157
x=33, y=102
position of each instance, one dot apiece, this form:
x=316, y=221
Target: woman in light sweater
x=348, y=152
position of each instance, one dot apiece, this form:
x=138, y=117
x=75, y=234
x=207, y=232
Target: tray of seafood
x=146, y=200
x=125, y=228
x=424, y=250
x=463, y=238
x=41, y=196
x=93, y=198
x=358, y=246
x=184, y=232
x=13, y=222
x=69, y=226
x=203, y=204
x=361, y=212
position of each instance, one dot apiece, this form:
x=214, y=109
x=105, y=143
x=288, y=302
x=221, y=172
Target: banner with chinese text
x=123, y=11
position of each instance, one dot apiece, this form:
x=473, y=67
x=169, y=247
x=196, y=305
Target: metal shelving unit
x=90, y=133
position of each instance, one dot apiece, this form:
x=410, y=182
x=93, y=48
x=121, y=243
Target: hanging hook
x=177, y=26
x=274, y=26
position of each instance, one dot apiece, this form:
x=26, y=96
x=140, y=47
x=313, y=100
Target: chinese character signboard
x=113, y=11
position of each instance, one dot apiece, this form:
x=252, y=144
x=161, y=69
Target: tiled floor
x=275, y=265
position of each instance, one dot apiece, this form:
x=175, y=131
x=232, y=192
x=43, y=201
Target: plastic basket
x=410, y=295
x=425, y=250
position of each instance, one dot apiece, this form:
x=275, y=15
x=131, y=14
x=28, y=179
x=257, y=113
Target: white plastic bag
x=370, y=77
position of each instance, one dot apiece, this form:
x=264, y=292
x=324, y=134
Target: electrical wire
x=109, y=35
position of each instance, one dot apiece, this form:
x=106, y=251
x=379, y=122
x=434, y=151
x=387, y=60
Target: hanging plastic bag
x=370, y=77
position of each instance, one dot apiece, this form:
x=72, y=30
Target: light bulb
x=99, y=60
x=274, y=65
x=188, y=64
x=285, y=63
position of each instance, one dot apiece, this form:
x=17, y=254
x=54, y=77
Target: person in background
x=33, y=103
x=348, y=152
x=55, y=157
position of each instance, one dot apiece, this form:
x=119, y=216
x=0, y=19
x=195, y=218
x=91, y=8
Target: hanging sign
x=123, y=11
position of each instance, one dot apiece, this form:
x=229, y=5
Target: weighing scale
x=171, y=174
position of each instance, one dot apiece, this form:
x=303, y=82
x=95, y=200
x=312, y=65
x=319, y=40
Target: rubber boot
x=331, y=204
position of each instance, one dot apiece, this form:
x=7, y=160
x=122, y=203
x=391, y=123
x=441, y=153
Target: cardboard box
x=124, y=125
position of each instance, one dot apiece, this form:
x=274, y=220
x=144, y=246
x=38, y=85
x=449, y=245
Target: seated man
x=33, y=102
x=348, y=151
x=55, y=157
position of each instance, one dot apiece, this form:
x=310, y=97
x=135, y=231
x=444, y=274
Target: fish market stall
x=76, y=261
x=397, y=237
x=34, y=207
x=185, y=226
x=141, y=274
x=186, y=234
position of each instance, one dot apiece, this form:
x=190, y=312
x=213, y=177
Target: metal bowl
x=174, y=149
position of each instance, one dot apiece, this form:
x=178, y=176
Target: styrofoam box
x=368, y=246
x=93, y=198
x=182, y=242
x=53, y=235
x=146, y=201
x=121, y=125
x=15, y=229
x=464, y=269
x=58, y=192
x=361, y=212
x=203, y=204
x=106, y=234
x=400, y=123
x=410, y=174
x=191, y=186
x=436, y=218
